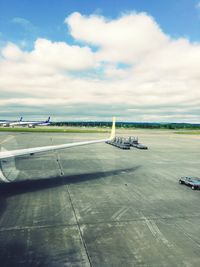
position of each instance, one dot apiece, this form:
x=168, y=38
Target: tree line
x=143, y=125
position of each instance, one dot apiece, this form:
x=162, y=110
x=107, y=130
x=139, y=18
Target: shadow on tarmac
x=21, y=187
x=13, y=251
x=16, y=254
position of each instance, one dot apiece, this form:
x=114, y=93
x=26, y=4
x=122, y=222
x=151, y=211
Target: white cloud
x=198, y=5
x=12, y=52
x=24, y=23
x=135, y=65
x=62, y=56
x=127, y=39
x=19, y=20
x=55, y=55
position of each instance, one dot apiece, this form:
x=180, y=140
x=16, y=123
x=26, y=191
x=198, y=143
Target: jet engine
x=8, y=170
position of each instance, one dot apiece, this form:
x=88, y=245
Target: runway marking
x=122, y=213
x=7, y=139
x=117, y=215
x=156, y=231
x=81, y=224
x=187, y=234
x=87, y=208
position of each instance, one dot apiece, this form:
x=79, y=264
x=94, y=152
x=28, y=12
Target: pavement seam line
x=73, y=209
x=57, y=159
x=78, y=225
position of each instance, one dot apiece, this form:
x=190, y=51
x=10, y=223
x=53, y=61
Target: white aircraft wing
x=34, y=150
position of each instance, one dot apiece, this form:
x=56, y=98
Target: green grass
x=189, y=132
x=52, y=130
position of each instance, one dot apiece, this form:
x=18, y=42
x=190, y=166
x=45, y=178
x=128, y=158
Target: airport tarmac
x=98, y=205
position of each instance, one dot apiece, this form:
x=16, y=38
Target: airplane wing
x=34, y=150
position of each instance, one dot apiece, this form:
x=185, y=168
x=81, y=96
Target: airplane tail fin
x=21, y=119
x=112, y=136
x=48, y=119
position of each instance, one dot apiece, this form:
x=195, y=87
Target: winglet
x=112, y=136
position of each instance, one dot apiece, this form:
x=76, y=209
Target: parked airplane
x=31, y=124
x=7, y=123
x=10, y=155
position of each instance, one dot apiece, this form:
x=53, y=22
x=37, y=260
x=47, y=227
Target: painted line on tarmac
x=7, y=139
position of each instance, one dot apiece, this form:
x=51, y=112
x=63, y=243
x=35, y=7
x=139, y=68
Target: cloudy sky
x=89, y=60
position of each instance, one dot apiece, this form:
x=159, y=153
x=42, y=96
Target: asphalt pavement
x=98, y=205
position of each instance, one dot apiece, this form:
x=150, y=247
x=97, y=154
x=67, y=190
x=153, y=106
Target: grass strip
x=189, y=132
x=51, y=130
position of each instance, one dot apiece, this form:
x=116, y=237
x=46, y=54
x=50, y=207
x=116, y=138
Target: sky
x=138, y=60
